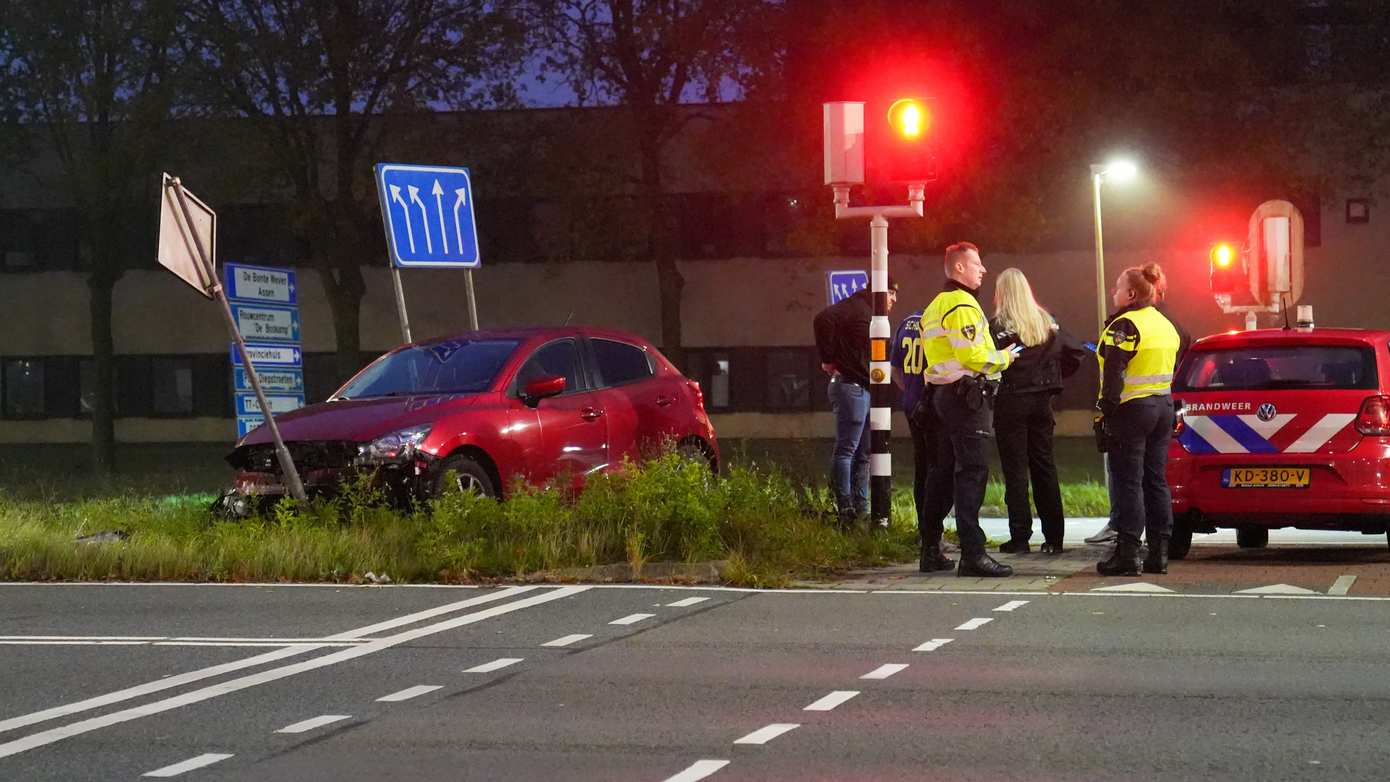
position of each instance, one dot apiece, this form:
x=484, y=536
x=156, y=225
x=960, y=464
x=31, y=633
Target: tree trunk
x=669, y=281
x=101, y=288
x=344, y=288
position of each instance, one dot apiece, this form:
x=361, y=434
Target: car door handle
x=590, y=413
x=663, y=401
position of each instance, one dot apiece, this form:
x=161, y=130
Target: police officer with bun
x=962, y=374
x=1134, y=419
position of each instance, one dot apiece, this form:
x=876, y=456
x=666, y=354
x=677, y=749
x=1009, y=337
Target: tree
x=649, y=57
x=321, y=80
x=91, y=80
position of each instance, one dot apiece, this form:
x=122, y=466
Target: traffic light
x=1226, y=270
x=906, y=148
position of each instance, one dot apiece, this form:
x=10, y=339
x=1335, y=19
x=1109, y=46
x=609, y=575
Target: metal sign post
x=427, y=212
x=207, y=276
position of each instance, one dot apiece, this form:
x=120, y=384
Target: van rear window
x=1301, y=366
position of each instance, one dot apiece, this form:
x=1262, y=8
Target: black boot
x=1014, y=546
x=1157, y=560
x=982, y=565
x=933, y=560
x=1123, y=560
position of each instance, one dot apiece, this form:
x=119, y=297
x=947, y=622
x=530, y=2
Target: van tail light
x=1374, y=418
x=699, y=395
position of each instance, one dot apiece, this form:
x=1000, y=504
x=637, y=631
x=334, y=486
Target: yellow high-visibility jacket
x=958, y=342
x=1137, y=353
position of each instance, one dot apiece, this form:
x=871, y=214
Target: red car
x=1282, y=428
x=488, y=407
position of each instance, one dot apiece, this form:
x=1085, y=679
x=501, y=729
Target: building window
x=38, y=240
x=710, y=368
x=23, y=388
x=171, y=386
x=788, y=379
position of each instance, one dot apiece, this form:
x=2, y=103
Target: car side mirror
x=541, y=388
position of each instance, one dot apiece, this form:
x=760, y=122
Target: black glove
x=1103, y=437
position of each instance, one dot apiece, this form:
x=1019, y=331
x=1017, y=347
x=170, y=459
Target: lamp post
x=1119, y=171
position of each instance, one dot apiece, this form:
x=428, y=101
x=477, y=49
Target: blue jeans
x=849, y=464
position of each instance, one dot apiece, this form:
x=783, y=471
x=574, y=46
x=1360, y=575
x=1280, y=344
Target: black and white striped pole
x=844, y=167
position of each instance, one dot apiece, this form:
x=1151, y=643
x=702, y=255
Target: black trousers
x=961, y=469
x=1140, y=430
x=924, y=430
x=1023, y=428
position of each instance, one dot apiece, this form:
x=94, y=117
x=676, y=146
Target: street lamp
x=1120, y=171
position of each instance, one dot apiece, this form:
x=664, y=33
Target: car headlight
x=397, y=446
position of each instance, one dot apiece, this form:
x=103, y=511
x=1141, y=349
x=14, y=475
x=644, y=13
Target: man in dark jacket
x=842, y=340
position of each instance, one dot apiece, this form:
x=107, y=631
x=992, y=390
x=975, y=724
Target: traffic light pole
x=880, y=333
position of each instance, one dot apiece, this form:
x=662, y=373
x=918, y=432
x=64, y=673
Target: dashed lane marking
x=767, y=733
x=976, y=623
x=187, y=765
x=1139, y=587
x=1012, y=605
x=631, y=619
x=832, y=700
x=884, y=671
x=304, y=726
x=566, y=640
x=1276, y=589
x=495, y=665
x=932, y=645
x=698, y=770
x=1342, y=585
x=408, y=693
x=686, y=603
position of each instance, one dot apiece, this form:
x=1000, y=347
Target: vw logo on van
x=1266, y=412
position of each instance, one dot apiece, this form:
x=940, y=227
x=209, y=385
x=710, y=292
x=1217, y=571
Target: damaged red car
x=483, y=409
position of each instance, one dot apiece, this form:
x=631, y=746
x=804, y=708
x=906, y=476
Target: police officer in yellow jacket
x=1134, y=420
x=962, y=374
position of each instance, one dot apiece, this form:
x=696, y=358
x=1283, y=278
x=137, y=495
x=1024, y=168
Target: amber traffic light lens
x=909, y=118
x=1222, y=254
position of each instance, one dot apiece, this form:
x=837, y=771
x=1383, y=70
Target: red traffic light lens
x=909, y=118
x=1222, y=254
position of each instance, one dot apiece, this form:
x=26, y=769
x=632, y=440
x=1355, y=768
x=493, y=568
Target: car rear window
x=1279, y=367
x=619, y=362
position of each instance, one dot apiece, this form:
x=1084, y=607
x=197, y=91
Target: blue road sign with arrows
x=843, y=284
x=428, y=213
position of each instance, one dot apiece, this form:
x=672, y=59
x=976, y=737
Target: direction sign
x=841, y=285
x=258, y=321
x=178, y=241
x=428, y=214
x=272, y=380
x=269, y=354
x=246, y=403
x=245, y=423
x=260, y=284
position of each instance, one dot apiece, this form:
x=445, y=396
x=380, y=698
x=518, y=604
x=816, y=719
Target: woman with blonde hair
x=1023, y=420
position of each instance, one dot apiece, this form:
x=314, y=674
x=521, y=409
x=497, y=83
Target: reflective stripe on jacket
x=1137, y=353
x=957, y=338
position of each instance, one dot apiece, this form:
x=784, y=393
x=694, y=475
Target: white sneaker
x=1106, y=535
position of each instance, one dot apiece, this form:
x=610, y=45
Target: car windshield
x=453, y=367
x=1283, y=367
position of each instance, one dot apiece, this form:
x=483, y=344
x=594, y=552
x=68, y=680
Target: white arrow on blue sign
x=843, y=284
x=282, y=380
x=260, y=284
x=269, y=354
x=261, y=321
x=428, y=213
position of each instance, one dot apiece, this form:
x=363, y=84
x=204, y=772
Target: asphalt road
x=649, y=683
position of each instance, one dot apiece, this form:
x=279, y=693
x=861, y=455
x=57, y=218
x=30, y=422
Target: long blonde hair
x=1017, y=310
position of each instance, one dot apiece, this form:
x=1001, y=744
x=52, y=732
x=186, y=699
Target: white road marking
x=976, y=623
x=932, y=645
x=767, y=733
x=1012, y=605
x=566, y=640
x=305, y=726
x=250, y=662
x=74, y=643
x=313, y=644
x=631, y=619
x=689, y=601
x=495, y=665
x=83, y=637
x=698, y=770
x=54, y=735
x=832, y=700
x=1342, y=585
x=1139, y=587
x=408, y=693
x=1276, y=589
x=187, y=765
x=884, y=671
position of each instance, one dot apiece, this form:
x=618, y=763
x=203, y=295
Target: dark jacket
x=842, y=336
x=1039, y=369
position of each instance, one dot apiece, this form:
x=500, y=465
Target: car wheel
x=1181, y=541
x=1252, y=537
x=697, y=450
x=465, y=474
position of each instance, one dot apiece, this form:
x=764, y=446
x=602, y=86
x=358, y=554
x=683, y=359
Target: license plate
x=1265, y=477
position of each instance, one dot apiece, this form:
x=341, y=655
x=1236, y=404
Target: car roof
x=1267, y=337
x=529, y=333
